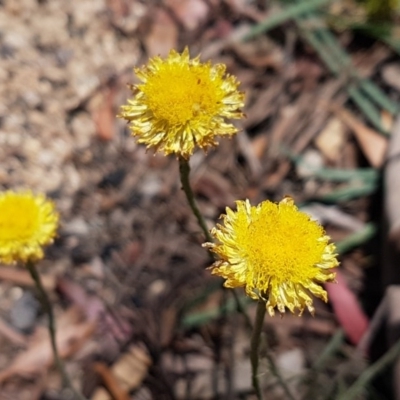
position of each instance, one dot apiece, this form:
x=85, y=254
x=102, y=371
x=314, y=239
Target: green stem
x=52, y=329
x=184, y=171
x=255, y=344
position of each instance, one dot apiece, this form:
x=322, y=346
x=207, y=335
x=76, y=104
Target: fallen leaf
x=22, y=277
x=72, y=332
x=259, y=146
x=247, y=149
x=103, y=113
x=373, y=144
x=110, y=382
x=347, y=309
x=94, y=308
x=387, y=120
x=191, y=13
x=391, y=75
x=125, y=375
x=12, y=335
x=330, y=140
x=163, y=35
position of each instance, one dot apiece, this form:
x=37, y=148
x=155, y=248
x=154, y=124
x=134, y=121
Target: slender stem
x=184, y=171
x=52, y=329
x=254, y=356
x=255, y=344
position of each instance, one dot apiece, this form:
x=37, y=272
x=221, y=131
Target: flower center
x=179, y=93
x=19, y=218
x=282, y=244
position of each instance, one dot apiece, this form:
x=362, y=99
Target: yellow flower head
x=182, y=103
x=276, y=252
x=27, y=223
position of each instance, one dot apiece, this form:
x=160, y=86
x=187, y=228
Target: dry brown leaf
x=373, y=144
x=163, y=35
x=330, y=141
x=22, y=277
x=12, y=335
x=387, y=120
x=391, y=75
x=118, y=7
x=103, y=114
x=264, y=103
x=189, y=12
x=261, y=54
x=169, y=323
x=94, y=308
x=259, y=146
x=110, y=382
x=129, y=371
x=72, y=332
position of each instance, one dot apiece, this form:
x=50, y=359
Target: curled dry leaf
x=330, y=140
x=22, y=277
x=125, y=375
x=12, y=335
x=163, y=35
x=191, y=13
x=347, y=309
x=373, y=144
x=94, y=309
x=103, y=114
x=72, y=332
x=110, y=382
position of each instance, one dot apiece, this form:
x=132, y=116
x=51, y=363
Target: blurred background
x=139, y=317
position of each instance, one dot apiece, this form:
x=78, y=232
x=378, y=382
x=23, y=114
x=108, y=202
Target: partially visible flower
x=182, y=103
x=276, y=252
x=27, y=223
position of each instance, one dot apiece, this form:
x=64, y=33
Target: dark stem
x=52, y=328
x=255, y=344
x=184, y=171
x=254, y=355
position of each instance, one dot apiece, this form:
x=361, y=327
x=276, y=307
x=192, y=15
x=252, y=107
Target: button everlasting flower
x=276, y=252
x=27, y=223
x=182, y=103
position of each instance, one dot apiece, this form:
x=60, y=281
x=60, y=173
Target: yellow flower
x=182, y=103
x=276, y=252
x=27, y=223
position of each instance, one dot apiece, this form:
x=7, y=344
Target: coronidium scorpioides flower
x=182, y=103
x=27, y=223
x=276, y=252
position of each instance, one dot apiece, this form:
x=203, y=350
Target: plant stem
x=255, y=344
x=52, y=329
x=184, y=171
x=254, y=357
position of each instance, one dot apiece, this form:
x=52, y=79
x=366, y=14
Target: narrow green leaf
x=356, y=239
x=287, y=13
